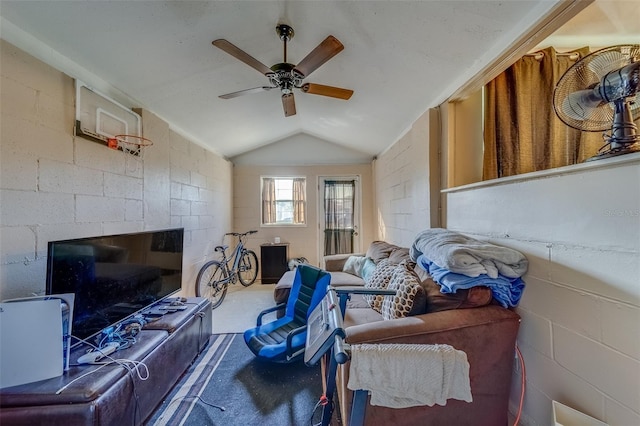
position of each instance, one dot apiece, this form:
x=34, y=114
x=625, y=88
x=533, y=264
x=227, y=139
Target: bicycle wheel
x=248, y=268
x=212, y=283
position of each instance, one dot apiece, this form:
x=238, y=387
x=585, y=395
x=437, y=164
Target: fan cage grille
x=587, y=73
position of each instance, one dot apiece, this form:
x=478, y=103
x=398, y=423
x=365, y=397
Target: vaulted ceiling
x=400, y=58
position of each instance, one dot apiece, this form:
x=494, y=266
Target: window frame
x=283, y=224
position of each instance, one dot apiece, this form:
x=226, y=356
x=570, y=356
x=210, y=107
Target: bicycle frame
x=235, y=257
x=215, y=275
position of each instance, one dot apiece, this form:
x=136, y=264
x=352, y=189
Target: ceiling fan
x=286, y=76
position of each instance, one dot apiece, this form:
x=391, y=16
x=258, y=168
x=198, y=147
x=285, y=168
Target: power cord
x=123, y=362
x=322, y=401
x=196, y=397
x=524, y=377
x=59, y=391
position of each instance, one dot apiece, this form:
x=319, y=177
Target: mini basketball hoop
x=130, y=144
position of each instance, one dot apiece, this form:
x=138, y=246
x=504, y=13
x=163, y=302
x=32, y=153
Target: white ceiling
x=400, y=58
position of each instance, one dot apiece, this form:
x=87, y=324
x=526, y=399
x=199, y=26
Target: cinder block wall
x=56, y=186
x=407, y=185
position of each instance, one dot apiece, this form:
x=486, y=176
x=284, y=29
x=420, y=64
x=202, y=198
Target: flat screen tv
x=114, y=276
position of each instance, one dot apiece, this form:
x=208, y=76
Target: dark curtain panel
x=338, y=210
x=522, y=132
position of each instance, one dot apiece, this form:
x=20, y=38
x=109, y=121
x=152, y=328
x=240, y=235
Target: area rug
x=227, y=385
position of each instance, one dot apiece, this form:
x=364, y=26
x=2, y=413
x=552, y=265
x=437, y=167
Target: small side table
x=274, y=260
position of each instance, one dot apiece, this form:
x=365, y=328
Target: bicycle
x=214, y=277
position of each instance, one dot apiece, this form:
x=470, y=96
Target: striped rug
x=227, y=385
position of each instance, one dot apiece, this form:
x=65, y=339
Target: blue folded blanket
x=507, y=291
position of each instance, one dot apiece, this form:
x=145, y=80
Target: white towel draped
x=408, y=375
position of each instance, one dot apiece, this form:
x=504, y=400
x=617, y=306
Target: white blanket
x=465, y=255
x=408, y=375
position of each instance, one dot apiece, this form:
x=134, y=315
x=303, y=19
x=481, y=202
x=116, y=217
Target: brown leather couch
x=468, y=320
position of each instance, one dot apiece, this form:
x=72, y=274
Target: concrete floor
x=240, y=308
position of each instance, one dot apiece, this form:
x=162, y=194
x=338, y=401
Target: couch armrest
x=457, y=327
x=335, y=262
x=487, y=335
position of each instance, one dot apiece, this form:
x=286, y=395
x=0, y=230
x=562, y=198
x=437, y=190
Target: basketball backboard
x=99, y=118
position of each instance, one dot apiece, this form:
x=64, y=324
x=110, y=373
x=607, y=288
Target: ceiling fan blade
x=246, y=92
x=241, y=55
x=326, y=50
x=289, y=105
x=333, y=92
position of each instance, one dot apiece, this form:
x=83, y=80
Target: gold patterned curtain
x=299, y=201
x=522, y=132
x=268, y=200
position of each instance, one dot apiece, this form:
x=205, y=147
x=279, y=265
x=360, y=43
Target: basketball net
x=132, y=146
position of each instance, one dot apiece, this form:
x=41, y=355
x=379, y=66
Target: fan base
x=285, y=32
x=626, y=149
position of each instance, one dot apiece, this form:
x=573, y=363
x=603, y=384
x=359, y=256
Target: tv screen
x=114, y=276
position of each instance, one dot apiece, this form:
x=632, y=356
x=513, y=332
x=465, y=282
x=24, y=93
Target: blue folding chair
x=283, y=340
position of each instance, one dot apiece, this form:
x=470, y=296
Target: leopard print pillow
x=379, y=278
x=407, y=290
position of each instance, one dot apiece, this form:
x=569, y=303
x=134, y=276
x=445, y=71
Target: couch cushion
x=339, y=278
x=399, y=254
x=360, y=317
x=465, y=298
x=379, y=250
x=357, y=301
x=379, y=279
x=409, y=298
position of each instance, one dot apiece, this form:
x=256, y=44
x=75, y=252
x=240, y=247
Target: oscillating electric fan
x=602, y=92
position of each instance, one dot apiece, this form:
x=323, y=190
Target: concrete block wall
x=403, y=186
x=580, y=331
x=56, y=186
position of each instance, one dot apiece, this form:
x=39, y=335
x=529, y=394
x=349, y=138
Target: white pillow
x=354, y=264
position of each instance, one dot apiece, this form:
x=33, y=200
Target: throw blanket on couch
x=465, y=255
x=408, y=375
x=506, y=291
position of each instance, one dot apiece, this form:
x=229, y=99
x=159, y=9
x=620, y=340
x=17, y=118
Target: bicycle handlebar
x=241, y=234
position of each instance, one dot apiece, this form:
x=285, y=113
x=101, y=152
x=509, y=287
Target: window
x=283, y=201
x=339, y=205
